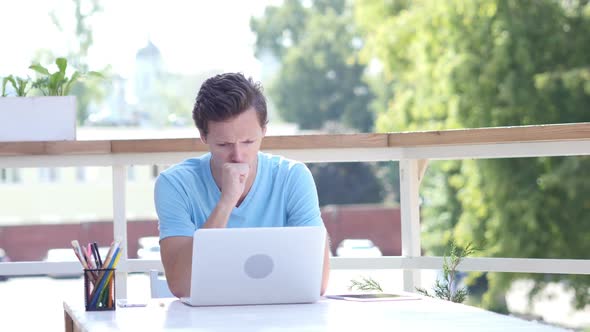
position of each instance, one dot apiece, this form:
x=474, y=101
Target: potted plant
x=19, y=84
x=48, y=117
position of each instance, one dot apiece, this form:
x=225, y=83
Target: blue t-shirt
x=283, y=194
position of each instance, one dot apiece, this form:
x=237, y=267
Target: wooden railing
x=411, y=149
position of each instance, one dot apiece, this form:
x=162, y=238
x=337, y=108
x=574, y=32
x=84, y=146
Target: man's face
x=236, y=140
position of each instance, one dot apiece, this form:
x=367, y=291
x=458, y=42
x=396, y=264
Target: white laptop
x=238, y=266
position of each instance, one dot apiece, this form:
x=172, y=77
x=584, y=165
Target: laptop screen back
x=234, y=266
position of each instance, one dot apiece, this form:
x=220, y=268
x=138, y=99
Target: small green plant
x=57, y=83
x=365, y=284
x=4, y=82
x=19, y=84
x=446, y=288
x=54, y=84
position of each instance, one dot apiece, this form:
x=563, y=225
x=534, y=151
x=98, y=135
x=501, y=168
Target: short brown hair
x=225, y=96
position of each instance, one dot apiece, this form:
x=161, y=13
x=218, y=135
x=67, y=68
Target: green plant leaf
x=53, y=83
x=365, y=284
x=423, y=291
x=57, y=83
x=4, y=82
x=10, y=79
x=445, y=289
x=20, y=86
x=95, y=74
x=62, y=64
x=40, y=69
x=68, y=86
x=41, y=84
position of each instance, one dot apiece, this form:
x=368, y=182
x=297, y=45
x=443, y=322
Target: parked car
x=358, y=248
x=149, y=248
x=3, y=258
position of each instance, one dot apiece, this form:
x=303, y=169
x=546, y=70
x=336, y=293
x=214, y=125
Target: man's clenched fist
x=233, y=182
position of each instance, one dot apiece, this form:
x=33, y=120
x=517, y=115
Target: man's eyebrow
x=223, y=141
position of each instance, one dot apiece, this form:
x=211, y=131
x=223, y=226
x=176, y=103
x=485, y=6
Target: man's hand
x=233, y=182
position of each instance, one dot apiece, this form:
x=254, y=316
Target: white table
x=325, y=315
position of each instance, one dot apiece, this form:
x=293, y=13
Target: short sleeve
x=173, y=210
x=302, y=198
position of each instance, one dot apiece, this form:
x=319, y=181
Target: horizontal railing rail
x=481, y=264
x=412, y=149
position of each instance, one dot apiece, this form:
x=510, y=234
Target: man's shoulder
x=188, y=167
x=278, y=163
x=282, y=169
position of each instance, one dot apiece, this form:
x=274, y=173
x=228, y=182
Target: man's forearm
x=177, y=252
x=326, y=269
x=176, y=255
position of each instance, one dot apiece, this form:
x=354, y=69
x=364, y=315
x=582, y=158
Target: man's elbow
x=177, y=289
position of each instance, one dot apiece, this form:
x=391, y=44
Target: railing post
x=410, y=173
x=120, y=226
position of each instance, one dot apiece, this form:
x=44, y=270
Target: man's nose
x=237, y=153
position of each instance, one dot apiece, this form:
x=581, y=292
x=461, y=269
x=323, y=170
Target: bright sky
x=192, y=35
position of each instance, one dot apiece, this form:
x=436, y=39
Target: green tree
x=346, y=183
x=480, y=63
x=320, y=78
x=320, y=85
x=89, y=91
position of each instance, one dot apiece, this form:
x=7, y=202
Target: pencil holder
x=99, y=289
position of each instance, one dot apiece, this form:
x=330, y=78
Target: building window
x=131, y=173
x=48, y=174
x=16, y=175
x=10, y=175
x=81, y=174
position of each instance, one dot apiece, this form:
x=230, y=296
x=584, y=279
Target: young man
x=234, y=185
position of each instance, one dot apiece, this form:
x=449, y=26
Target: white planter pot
x=37, y=119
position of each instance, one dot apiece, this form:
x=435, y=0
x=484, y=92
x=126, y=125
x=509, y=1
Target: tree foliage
x=346, y=183
x=320, y=85
x=320, y=78
x=463, y=64
x=91, y=91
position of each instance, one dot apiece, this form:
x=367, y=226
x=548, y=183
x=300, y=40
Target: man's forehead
x=230, y=134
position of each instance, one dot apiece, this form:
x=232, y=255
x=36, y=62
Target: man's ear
x=263, y=131
x=203, y=136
